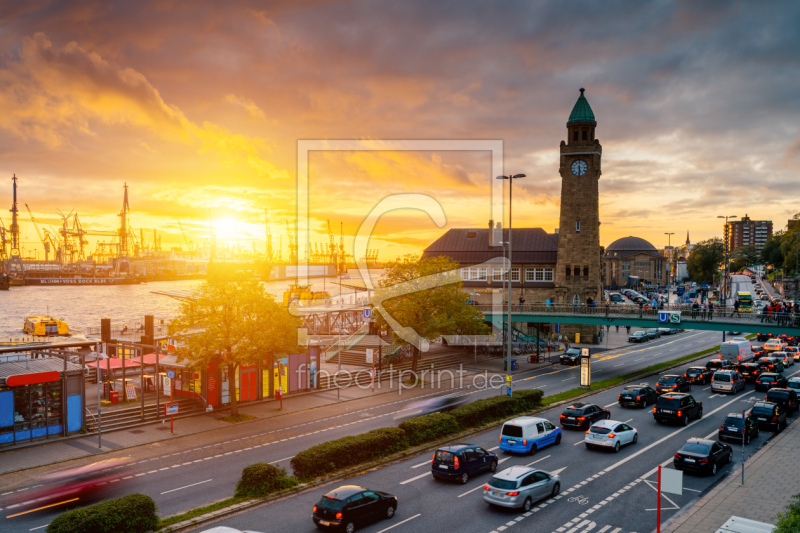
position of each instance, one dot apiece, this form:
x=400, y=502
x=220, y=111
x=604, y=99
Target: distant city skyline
x=199, y=108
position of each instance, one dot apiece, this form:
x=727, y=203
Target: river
x=83, y=306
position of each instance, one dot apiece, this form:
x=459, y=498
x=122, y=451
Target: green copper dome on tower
x=582, y=112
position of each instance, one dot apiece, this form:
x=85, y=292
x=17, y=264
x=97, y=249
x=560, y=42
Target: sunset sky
x=199, y=107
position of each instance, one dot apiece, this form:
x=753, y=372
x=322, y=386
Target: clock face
x=579, y=167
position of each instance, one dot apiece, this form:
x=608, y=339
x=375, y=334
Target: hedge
x=429, y=427
x=260, y=479
x=134, y=513
x=480, y=412
x=348, y=451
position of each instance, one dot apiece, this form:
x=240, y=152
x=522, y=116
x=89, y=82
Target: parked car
x=770, y=415
x=668, y=331
x=731, y=428
x=719, y=364
x=727, y=381
x=570, y=357
x=749, y=371
x=637, y=396
x=672, y=383
x=582, y=415
x=768, y=380
x=698, y=374
x=703, y=456
x=526, y=434
x=520, y=487
x=461, y=462
x=351, y=506
x=677, y=406
x=639, y=336
x=786, y=398
x=653, y=333
x=610, y=434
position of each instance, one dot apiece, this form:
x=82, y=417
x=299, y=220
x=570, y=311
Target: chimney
x=491, y=233
x=556, y=232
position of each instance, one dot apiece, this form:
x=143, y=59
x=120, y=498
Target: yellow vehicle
x=745, y=301
x=304, y=294
x=45, y=326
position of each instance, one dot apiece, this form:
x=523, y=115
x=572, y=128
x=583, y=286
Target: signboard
x=586, y=367
x=672, y=481
x=171, y=409
x=367, y=313
x=167, y=384
x=171, y=374
x=669, y=317
x=33, y=378
x=130, y=392
x=370, y=355
x=558, y=328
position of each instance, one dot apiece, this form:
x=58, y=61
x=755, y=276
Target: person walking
x=617, y=328
x=704, y=311
x=695, y=307
x=710, y=310
x=736, y=308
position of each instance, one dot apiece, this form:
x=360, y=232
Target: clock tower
x=577, y=275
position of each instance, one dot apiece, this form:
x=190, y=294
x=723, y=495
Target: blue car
x=526, y=434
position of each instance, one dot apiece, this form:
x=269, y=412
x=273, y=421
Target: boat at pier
x=45, y=326
x=303, y=294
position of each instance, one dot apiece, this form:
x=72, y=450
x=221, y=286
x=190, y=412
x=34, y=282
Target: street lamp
x=510, y=179
x=725, y=285
x=669, y=259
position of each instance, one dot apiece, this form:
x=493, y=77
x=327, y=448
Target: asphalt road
x=601, y=491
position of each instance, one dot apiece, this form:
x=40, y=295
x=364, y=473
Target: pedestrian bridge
x=634, y=316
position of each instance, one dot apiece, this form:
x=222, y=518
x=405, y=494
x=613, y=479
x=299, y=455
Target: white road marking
x=579, y=442
x=40, y=527
x=609, y=405
x=403, y=522
x=186, y=487
x=573, y=377
x=615, y=366
x=471, y=490
x=422, y=464
x=538, y=460
x=415, y=478
x=558, y=471
x=628, y=420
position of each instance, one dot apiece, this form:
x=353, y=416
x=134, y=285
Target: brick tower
x=577, y=275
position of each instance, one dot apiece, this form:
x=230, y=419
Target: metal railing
x=348, y=342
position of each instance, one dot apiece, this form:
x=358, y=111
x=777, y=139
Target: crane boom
x=45, y=242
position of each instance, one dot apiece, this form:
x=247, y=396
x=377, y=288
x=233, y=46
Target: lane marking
x=40, y=527
x=416, y=478
x=471, y=490
x=421, y=464
x=609, y=405
x=186, y=487
x=40, y=508
x=403, y=522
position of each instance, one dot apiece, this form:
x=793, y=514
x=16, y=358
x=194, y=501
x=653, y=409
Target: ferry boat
x=304, y=294
x=45, y=326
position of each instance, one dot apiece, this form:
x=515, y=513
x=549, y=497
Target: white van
x=736, y=351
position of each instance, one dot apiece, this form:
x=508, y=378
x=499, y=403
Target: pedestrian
x=695, y=307
x=521, y=300
x=764, y=313
x=710, y=310
x=736, y=308
x=617, y=328
x=703, y=311
x=628, y=330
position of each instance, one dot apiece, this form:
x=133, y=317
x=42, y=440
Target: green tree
x=704, y=260
x=789, y=522
x=424, y=297
x=790, y=246
x=771, y=253
x=235, y=320
x=743, y=257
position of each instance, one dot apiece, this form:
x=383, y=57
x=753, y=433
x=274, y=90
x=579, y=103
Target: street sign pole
x=658, y=512
x=744, y=433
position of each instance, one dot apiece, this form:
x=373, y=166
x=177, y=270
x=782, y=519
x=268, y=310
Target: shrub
x=480, y=412
x=429, y=427
x=790, y=520
x=134, y=513
x=348, y=451
x=259, y=479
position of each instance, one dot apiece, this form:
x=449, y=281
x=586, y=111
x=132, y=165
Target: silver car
x=521, y=486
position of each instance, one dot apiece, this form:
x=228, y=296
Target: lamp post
x=725, y=285
x=510, y=178
x=669, y=259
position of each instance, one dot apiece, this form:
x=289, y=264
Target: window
x=473, y=273
x=577, y=226
x=577, y=271
x=470, y=454
x=539, y=476
x=585, y=135
x=575, y=135
x=548, y=426
x=540, y=427
x=585, y=272
x=514, y=274
x=497, y=274
x=568, y=271
x=370, y=497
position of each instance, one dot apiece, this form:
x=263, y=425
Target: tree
x=423, y=300
x=789, y=521
x=743, y=257
x=771, y=252
x=704, y=260
x=235, y=320
x=790, y=245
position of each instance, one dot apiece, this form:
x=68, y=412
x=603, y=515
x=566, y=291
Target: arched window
x=577, y=271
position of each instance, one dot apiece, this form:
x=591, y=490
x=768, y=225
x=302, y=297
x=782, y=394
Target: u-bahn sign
x=669, y=317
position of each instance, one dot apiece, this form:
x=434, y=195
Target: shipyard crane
x=45, y=238
x=185, y=237
x=331, y=245
x=268, y=252
x=292, y=243
x=3, y=254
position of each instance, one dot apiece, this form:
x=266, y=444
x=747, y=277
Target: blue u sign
x=663, y=316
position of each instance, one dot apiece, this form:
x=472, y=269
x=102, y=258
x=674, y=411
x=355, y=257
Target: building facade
x=632, y=261
x=746, y=232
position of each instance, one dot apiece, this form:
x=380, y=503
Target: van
x=526, y=434
x=736, y=351
x=727, y=381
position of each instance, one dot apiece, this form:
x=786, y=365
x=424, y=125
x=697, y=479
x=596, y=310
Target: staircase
x=348, y=342
x=131, y=417
x=355, y=355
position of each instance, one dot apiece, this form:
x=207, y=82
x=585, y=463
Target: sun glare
x=232, y=229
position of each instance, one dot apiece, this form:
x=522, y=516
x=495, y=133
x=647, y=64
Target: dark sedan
x=749, y=371
x=698, y=374
x=639, y=336
x=731, y=428
x=672, y=383
x=703, y=456
x=769, y=415
x=637, y=396
x=769, y=380
x=582, y=415
x=352, y=506
x=570, y=357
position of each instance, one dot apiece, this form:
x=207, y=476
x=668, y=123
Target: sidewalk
x=770, y=480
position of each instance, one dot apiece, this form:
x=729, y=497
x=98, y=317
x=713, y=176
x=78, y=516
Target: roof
x=582, y=111
x=344, y=491
x=33, y=366
x=471, y=246
x=630, y=244
x=521, y=420
x=515, y=472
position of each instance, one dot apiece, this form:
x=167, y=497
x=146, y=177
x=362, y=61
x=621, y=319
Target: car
x=351, y=506
x=768, y=380
x=637, y=396
x=653, y=333
x=462, y=461
x=719, y=364
x=774, y=345
x=610, y=434
x=667, y=331
x=526, y=434
x=570, y=357
x=521, y=486
x=784, y=357
x=727, y=381
x=616, y=298
x=446, y=402
x=639, y=336
x=582, y=415
x=794, y=384
x=794, y=351
x=749, y=371
x=672, y=383
x=771, y=364
x=677, y=406
x=770, y=415
x=703, y=456
x=731, y=428
x=698, y=374
x=785, y=397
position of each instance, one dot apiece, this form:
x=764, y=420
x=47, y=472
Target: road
x=182, y=474
x=601, y=491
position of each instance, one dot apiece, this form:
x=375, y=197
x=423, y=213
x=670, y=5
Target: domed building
x=632, y=261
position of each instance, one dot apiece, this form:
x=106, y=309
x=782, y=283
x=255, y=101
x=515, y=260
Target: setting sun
x=230, y=229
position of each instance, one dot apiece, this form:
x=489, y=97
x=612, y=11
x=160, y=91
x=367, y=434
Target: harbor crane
x=268, y=252
x=46, y=238
x=292, y=243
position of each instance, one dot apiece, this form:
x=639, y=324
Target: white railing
x=352, y=339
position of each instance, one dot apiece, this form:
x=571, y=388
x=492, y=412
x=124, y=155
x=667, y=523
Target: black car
x=771, y=364
x=749, y=371
x=653, y=333
x=462, y=461
x=764, y=336
x=672, y=383
x=582, y=415
x=703, y=456
x=786, y=398
x=698, y=374
x=639, y=336
x=570, y=357
x=719, y=364
x=677, y=406
x=769, y=415
x=768, y=380
x=351, y=506
x=731, y=428
x=637, y=396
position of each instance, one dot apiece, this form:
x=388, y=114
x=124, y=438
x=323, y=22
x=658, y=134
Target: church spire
x=687, y=237
x=582, y=111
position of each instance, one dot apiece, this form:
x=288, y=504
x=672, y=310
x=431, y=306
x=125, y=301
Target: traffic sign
x=171, y=374
x=171, y=409
x=367, y=313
